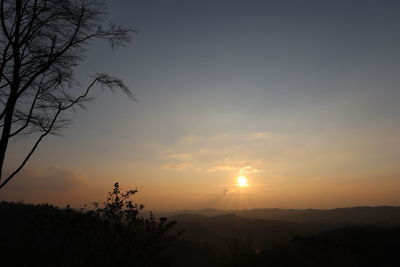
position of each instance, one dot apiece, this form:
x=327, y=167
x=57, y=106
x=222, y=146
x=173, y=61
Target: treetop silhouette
x=41, y=43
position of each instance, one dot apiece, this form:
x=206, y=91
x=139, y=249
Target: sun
x=242, y=181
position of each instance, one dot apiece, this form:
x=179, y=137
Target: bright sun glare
x=242, y=181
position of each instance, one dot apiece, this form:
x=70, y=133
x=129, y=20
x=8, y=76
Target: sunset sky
x=301, y=97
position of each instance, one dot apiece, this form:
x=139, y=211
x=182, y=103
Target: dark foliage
x=113, y=234
x=356, y=246
x=230, y=240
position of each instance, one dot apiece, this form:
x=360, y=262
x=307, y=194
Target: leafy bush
x=113, y=233
x=123, y=237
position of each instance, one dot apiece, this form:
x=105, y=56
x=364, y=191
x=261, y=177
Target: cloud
x=50, y=179
x=222, y=168
x=222, y=152
x=231, y=191
x=290, y=157
x=241, y=170
x=181, y=156
x=179, y=166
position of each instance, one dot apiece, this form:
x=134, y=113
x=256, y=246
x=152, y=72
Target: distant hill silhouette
x=364, y=246
x=350, y=215
x=217, y=230
x=361, y=236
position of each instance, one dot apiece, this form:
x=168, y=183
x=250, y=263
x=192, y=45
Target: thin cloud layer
x=221, y=152
x=50, y=179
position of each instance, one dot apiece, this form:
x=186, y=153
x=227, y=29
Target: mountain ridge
x=346, y=215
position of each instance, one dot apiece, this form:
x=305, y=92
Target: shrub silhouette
x=113, y=233
x=123, y=237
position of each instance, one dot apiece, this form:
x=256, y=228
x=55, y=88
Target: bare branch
x=28, y=119
x=41, y=42
x=3, y=22
x=31, y=151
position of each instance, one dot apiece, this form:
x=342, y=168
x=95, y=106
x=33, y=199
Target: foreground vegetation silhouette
x=114, y=233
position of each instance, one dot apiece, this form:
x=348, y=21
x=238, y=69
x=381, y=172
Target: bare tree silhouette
x=41, y=41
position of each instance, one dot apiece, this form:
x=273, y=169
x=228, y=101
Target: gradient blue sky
x=299, y=96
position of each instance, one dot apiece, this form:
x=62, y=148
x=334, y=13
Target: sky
x=300, y=97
